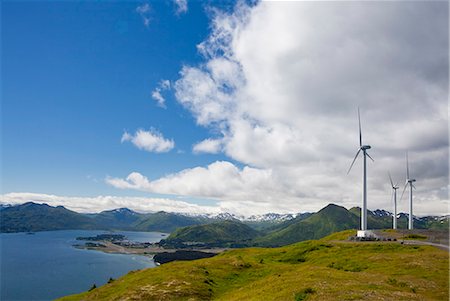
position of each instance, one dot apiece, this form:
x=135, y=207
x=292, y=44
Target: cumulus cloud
x=181, y=6
x=212, y=146
x=100, y=203
x=151, y=141
x=219, y=180
x=279, y=89
x=156, y=93
x=144, y=11
x=282, y=88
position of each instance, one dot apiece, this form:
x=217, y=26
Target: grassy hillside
x=313, y=270
x=330, y=219
x=218, y=232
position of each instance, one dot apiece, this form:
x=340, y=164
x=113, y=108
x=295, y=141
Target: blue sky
x=76, y=75
x=194, y=106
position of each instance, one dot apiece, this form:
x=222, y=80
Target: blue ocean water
x=45, y=265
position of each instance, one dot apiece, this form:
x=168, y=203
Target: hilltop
x=326, y=269
x=227, y=233
x=330, y=219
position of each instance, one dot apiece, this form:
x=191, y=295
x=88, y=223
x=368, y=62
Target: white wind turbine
x=394, y=196
x=364, y=149
x=411, y=186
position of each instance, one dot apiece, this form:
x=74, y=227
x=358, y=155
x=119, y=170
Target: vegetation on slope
x=224, y=232
x=330, y=219
x=41, y=217
x=122, y=218
x=314, y=270
x=32, y=217
x=166, y=222
x=35, y=217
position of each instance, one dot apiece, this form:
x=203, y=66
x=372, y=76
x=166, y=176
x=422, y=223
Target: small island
x=118, y=243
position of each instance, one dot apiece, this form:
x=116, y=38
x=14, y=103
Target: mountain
x=326, y=269
x=122, y=218
x=378, y=219
x=271, y=217
x=4, y=206
x=331, y=218
x=279, y=228
x=31, y=217
x=221, y=233
x=166, y=222
x=381, y=219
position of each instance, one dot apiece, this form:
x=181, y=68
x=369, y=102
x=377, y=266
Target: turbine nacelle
x=411, y=180
x=365, y=147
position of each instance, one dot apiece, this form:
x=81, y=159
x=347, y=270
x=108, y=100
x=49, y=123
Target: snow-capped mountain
x=268, y=217
x=122, y=211
x=3, y=206
x=381, y=213
x=272, y=217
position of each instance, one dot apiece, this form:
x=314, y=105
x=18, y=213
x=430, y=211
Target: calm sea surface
x=45, y=265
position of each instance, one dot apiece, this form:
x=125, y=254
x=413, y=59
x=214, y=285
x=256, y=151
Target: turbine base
x=365, y=233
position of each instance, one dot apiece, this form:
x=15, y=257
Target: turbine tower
x=394, y=196
x=364, y=149
x=409, y=181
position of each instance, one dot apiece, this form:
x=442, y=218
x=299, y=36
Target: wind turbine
x=411, y=186
x=364, y=149
x=394, y=196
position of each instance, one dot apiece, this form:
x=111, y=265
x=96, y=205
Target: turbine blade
x=390, y=179
x=414, y=186
x=370, y=157
x=356, y=156
x=360, y=134
x=406, y=184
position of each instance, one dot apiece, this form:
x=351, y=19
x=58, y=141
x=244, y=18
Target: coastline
x=109, y=247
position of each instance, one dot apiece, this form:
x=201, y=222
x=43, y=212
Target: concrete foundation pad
x=365, y=233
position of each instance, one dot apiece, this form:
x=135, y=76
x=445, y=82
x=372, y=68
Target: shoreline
x=109, y=247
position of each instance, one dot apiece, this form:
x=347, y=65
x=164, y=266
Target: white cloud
x=100, y=203
x=245, y=191
x=212, y=146
x=219, y=180
x=156, y=93
x=144, y=11
x=181, y=6
x=279, y=89
x=151, y=141
x=282, y=87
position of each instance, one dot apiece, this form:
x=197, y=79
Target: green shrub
x=415, y=236
x=303, y=294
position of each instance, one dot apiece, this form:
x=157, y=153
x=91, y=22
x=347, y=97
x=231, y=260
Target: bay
x=45, y=265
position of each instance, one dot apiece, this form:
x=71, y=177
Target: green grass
x=326, y=269
x=225, y=231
